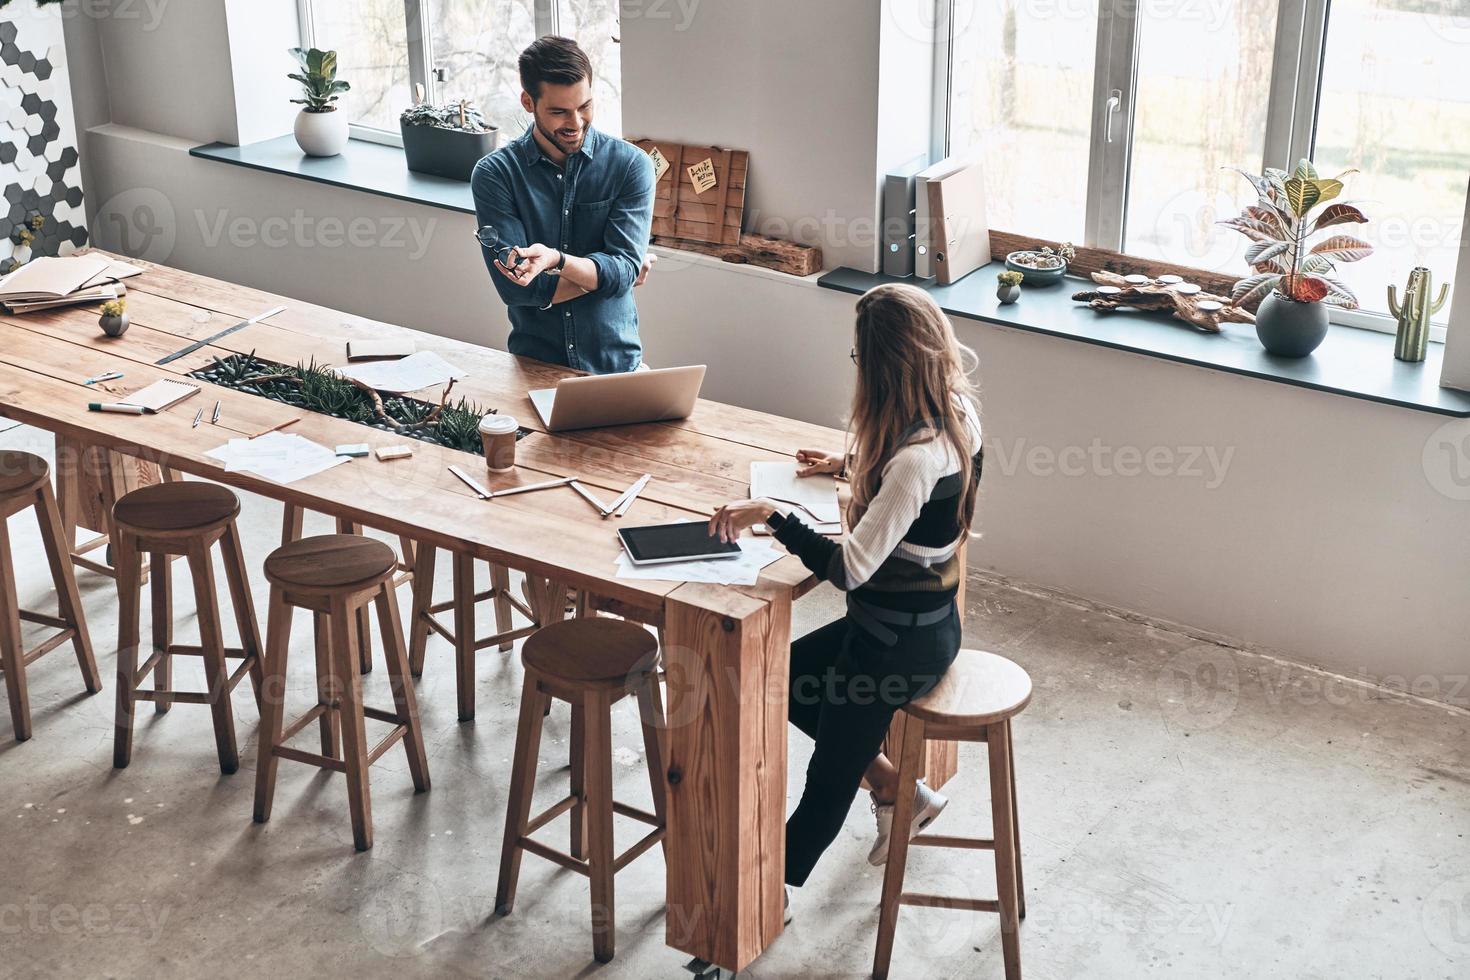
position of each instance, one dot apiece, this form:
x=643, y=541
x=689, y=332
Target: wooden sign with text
x=693, y=210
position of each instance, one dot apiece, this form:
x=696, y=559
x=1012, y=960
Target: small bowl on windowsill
x=1037, y=268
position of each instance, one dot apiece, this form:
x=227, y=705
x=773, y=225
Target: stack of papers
x=51, y=281
x=811, y=498
x=745, y=570
x=277, y=456
x=417, y=371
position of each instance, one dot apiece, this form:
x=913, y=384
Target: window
x=1114, y=122
x=456, y=49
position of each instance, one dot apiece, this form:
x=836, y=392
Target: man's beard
x=556, y=141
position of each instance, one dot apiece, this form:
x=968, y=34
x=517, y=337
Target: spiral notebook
x=161, y=394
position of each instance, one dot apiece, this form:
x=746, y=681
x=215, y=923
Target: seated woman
x=914, y=468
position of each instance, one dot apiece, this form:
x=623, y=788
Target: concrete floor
x=1187, y=810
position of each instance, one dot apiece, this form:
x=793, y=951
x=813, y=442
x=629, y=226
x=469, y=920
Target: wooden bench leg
x=161, y=598
x=405, y=704
x=600, y=824
x=212, y=649
x=273, y=704
x=910, y=763
x=237, y=577
x=999, y=750
x=12, y=653
x=326, y=687
x=68, y=599
x=464, y=634
x=577, y=757
x=504, y=612
x=423, y=598
x=346, y=663
x=522, y=786
x=129, y=568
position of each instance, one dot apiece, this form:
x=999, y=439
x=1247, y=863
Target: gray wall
x=1335, y=534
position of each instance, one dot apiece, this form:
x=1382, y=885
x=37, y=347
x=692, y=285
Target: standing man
x=571, y=210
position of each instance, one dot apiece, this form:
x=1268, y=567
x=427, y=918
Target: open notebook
x=161, y=394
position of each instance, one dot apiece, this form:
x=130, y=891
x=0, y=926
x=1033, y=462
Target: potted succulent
x=321, y=130
x=114, y=319
x=1293, y=283
x=446, y=140
x=1041, y=266
x=1009, y=288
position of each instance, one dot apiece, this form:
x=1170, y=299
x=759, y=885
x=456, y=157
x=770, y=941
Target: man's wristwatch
x=561, y=263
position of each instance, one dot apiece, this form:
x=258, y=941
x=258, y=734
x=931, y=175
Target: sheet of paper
x=279, y=456
x=745, y=570
x=660, y=164
x=703, y=175
x=816, y=495
x=425, y=369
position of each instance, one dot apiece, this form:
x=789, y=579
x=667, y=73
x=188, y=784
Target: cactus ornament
x=1412, y=341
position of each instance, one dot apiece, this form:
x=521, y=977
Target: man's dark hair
x=557, y=60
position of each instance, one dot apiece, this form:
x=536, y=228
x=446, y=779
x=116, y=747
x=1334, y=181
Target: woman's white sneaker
x=928, y=805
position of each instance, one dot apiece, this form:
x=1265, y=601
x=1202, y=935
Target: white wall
x=1337, y=535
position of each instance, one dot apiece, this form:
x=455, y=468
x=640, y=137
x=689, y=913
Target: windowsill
x=363, y=166
x=1351, y=361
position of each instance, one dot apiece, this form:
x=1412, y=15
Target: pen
x=197, y=417
x=214, y=419
x=119, y=409
x=105, y=376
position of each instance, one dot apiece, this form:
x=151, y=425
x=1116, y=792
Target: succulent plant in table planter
x=114, y=319
x=1008, y=286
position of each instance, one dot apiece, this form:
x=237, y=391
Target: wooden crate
x=679, y=212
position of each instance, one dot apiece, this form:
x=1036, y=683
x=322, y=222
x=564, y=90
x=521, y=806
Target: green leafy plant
x=1291, y=209
x=1009, y=278
x=318, y=77
x=114, y=307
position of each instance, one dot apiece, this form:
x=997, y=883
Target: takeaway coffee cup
x=498, y=433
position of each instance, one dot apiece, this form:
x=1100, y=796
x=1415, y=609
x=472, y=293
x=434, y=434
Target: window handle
x=1114, y=103
x=439, y=74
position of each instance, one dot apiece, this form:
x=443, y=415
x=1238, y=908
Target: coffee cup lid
x=497, y=424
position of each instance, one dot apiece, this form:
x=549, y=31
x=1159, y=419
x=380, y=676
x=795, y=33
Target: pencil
x=279, y=425
x=214, y=419
x=198, y=416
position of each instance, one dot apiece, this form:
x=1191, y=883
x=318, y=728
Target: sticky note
x=353, y=449
x=703, y=175
x=660, y=164
x=394, y=452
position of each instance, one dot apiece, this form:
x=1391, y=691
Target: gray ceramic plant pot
x=1289, y=328
x=1007, y=294
x=114, y=326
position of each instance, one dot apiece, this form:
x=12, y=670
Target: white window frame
x=1290, y=119
x=421, y=69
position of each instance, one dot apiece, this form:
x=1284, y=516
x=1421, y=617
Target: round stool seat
x=330, y=563
x=21, y=472
x=176, y=508
x=590, y=652
x=979, y=689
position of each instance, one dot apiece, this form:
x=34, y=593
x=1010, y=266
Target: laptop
x=619, y=399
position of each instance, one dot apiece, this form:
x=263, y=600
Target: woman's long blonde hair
x=911, y=378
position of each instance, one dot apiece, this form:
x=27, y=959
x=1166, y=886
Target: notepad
x=50, y=277
x=161, y=394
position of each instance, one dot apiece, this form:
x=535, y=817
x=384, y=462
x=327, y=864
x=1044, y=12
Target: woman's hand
x=735, y=517
x=815, y=462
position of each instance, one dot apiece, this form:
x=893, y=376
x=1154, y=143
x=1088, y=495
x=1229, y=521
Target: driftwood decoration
x=1089, y=260
x=1201, y=310
x=768, y=253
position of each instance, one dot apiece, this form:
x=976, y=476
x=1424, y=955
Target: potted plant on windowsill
x=1294, y=284
x=446, y=140
x=321, y=129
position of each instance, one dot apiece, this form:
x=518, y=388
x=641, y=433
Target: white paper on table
x=279, y=456
x=817, y=495
x=745, y=570
x=424, y=369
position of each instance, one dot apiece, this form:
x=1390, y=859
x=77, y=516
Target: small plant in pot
x=1008, y=289
x=114, y=319
x=1042, y=266
x=446, y=140
x=321, y=129
x=1294, y=283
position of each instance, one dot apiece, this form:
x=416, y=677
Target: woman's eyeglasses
x=504, y=254
x=853, y=354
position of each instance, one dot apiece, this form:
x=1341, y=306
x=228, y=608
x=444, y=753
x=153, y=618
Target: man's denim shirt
x=601, y=208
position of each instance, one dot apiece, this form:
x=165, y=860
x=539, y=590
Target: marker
x=119, y=409
x=106, y=376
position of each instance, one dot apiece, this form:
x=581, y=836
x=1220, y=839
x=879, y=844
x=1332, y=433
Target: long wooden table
x=726, y=647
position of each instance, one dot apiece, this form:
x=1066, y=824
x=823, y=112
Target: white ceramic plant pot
x=321, y=134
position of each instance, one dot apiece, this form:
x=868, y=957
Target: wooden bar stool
x=973, y=703
x=185, y=520
x=25, y=481
x=591, y=664
x=334, y=576
x=423, y=619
